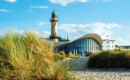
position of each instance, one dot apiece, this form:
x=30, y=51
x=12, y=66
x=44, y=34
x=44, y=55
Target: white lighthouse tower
x=54, y=34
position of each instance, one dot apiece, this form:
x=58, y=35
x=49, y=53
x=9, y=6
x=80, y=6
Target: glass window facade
x=85, y=45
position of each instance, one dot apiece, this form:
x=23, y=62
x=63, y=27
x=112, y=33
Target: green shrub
x=63, y=54
x=77, y=57
x=58, y=57
x=110, y=59
x=70, y=55
x=28, y=57
x=87, y=54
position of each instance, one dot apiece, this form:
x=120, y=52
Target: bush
x=90, y=53
x=28, y=57
x=59, y=56
x=87, y=54
x=110, y=59
x=70, y=55
x=63, y=54
x=77, y=57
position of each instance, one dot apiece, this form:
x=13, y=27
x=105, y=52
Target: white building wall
x=108, y=44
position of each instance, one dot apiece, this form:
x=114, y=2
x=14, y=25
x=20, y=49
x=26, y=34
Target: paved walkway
x=81, y=71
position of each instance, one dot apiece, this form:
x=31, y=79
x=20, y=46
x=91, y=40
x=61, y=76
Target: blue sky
x=76, y=17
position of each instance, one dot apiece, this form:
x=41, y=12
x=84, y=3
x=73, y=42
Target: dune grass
x=29, y=57
x=110, y=59
x=60, y=56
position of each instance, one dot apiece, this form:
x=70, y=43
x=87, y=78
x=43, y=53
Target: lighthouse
x=54, y=34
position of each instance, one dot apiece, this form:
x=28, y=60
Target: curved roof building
x=84, y=44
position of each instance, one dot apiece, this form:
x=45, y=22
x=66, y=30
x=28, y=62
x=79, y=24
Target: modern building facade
x=108, y=44
x=84, y=44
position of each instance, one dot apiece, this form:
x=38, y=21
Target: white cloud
x=18, y=31
x=66, y=2
x=3, y=10
x=46, y=34
x=68, y=27
x=11, y=1
x=122, y=41
x=42, y=23
x=82, y=0
x=81, y=29
x=38, y=6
